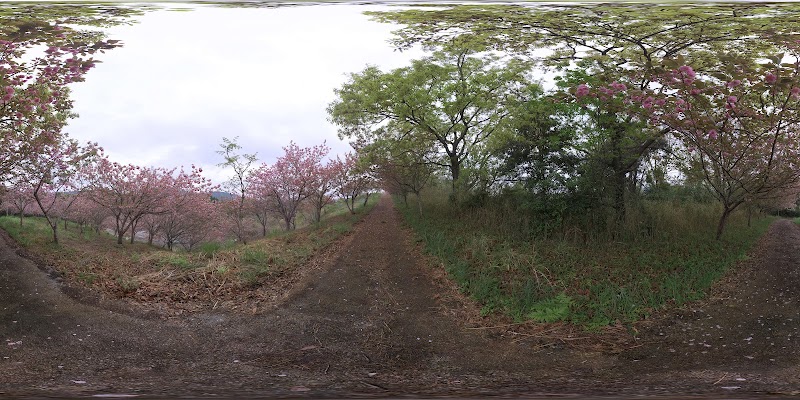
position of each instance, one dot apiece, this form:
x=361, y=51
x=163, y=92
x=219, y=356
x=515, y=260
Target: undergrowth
x=667, y=256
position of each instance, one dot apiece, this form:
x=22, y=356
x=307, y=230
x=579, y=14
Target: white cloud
x=183, y=80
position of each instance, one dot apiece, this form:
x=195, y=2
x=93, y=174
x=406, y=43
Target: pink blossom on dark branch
x=582, y=90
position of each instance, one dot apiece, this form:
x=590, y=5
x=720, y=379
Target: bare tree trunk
x=55, y=232
x=240, y=226
x=723, y=220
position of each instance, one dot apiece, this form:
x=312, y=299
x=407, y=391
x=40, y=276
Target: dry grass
x=230, y=275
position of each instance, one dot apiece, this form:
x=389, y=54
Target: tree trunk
x=723, y=220
x=55, y=232
x=119, y=232
x=52, y=223
x=419, y=204
x=619, y=198
x=366, y=198
x=240, y=227
x=133, y=229
x=455, y=171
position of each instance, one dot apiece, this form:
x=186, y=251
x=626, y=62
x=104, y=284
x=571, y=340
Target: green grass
x=175, y=260
x=209, y=249
x=36, y=231
x=582, y=277
x=33, y=229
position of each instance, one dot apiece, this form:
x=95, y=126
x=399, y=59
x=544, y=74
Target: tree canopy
x=453, y=100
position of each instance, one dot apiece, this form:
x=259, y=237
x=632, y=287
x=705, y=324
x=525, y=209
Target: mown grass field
x=579, y=277
x=213, y=273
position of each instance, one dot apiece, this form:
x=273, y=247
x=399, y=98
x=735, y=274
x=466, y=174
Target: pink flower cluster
x=604, y=92
x=582, y=90
x=688, y=74
x=7, y=93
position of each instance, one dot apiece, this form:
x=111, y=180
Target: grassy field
x=212, y=273
x=579, y=277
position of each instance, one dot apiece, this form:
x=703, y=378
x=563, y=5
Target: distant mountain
x=222, y=195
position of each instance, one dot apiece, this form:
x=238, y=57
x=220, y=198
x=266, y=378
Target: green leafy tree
x=401, y=166
x=613, y=36
x=539, y=151
x=241, y=163
x=623, y=44
x=452, y=100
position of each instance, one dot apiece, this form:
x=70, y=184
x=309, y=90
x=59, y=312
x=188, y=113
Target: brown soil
x=376, y=319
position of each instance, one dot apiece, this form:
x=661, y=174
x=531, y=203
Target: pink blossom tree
x=324, y=182
x=86, y=213
x=19, y=196
x=290, y=180
x=129, y=192
x=323, y=189
x=188, y=216
x=188, y=222
x=49, y=170
x=259, y=202
x=740, y=125
x=351, y=180
x=34, y=97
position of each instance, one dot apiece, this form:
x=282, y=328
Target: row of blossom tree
x=46, y=172
x=300, y=178
x=174, y=206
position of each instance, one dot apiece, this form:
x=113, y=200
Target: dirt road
x=373, y=322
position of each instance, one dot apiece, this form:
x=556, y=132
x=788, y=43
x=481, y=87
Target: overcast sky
x=184, y=80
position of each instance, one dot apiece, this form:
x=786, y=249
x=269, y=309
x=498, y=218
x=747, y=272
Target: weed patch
x=578, y=276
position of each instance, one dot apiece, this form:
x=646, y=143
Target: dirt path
x=369, y=323
x=747, y=336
